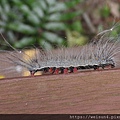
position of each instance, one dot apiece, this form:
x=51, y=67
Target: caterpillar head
x=111, y=63
x=34, y=66
x=108, y=64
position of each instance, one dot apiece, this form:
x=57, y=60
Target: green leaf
x=105, y=11
x=52, y=37
x=29, y=2
x=42, y=4
x=45, y=44
x=77, y=26
x=11, y=36
x=17, y=2
x=3, y=14
x=24, y=42
x=33, y=18
x=7, y=8
x=51, y=2
x=72, y=3
x=55, y=26
x=20, y=27
x=25, y=9
x=68, y=16
x=2, y=24
x=54, y=17
x=39, y=12
x=4, y=2
x=58, y=7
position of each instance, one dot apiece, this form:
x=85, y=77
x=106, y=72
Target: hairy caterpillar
x=102, y=53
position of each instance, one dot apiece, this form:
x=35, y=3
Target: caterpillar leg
x=109, y=66
x=96, y=67
x=46, y=70
x=71, y=69
x=51, y=70
x=61, y=70
x=112, y=66
x=75, y=70
x=65, y=70
x=103, y=66
x=32, y=73
x=56, y=71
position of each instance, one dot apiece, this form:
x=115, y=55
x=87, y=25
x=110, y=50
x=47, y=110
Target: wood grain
x=84, y=92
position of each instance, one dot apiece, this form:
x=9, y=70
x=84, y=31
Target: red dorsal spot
x=51, y=70
x=75, y=70
x=57, y=71
x=65, y=71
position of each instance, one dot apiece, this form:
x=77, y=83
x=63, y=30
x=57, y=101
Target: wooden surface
x=84, y=92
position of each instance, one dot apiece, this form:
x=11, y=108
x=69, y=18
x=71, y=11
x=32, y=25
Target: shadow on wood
x=84, y=92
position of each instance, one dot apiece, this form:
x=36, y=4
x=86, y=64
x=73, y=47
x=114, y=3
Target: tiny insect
x=102, y=52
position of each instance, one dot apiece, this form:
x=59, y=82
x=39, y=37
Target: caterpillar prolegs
x=102, y=52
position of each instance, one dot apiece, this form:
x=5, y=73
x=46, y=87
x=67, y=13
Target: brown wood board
x=83, y=92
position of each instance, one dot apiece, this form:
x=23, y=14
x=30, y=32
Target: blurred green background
x=54, y=23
